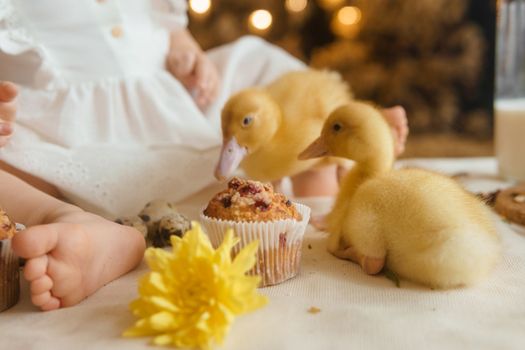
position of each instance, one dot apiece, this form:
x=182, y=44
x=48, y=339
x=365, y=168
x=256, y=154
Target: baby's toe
x=36, y=241
x=35, y=268
x=69, y=290
x=52, y=304
x=64, y=289
x=67, y=280
x=72, y=299
x=41, y=285
x=41, y=299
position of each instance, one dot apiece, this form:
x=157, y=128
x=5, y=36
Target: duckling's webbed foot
x=370, y=265
x=347, y=253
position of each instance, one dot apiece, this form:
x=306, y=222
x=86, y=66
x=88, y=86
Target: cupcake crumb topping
x=7, y=227
x=247, y=200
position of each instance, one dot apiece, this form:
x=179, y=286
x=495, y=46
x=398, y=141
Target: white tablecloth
x=357, y=311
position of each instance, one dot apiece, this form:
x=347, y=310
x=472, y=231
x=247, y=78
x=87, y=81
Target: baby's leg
x=316, y=182
x=70, y=253
x=32, y=180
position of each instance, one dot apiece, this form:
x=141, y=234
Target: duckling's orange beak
x=317, y=149
x=231, y=156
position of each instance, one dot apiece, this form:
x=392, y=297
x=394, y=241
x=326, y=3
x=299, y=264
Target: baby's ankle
x=58, y=213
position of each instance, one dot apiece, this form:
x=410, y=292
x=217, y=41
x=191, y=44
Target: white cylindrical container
x=509, y=105
x=510, y=138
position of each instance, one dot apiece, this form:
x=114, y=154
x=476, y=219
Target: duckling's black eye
x=247, y=120
x=337, y=127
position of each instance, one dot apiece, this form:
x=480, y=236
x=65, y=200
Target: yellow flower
x=193, y=293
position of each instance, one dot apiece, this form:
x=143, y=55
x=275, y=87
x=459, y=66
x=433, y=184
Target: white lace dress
x=99, y=115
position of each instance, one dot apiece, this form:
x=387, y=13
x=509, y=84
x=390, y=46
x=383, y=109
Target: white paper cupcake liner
x=280, y=242
x=9, y=276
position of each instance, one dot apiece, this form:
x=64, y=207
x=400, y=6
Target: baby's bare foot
x=74, y=255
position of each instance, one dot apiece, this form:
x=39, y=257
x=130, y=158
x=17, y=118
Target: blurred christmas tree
x=427, y=55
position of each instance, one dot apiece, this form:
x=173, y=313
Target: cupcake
x=256, y=212
x=9, y=265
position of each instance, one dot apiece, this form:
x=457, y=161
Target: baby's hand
x=8, y=93
x=190, y=65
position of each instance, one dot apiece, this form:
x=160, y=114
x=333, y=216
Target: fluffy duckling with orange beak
x=421, y=225
x=264, y=129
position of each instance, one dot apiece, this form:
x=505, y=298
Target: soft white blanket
x=357, y=311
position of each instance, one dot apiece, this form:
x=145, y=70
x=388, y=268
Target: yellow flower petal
x=197, y=243
x=157, y=258
x=193, y=293
x=140, y=329
x=141, y=308
x=223, y=252
x=245, y=260
x=163, y=303
x=155, y=281
x=164, y=339
x=162, y=321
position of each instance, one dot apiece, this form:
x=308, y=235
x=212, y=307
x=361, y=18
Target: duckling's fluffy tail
x=465, y=256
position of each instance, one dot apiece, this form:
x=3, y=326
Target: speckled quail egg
x=173, y=224
x=154, y=211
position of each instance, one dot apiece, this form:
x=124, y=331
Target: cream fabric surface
x=98, y=112
x=357, y=311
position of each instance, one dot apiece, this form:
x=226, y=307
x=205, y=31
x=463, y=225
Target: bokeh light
x=200, y=6
x=349, y=15
x=261, y=20
x=345, y=22
x=296, y=5
x=330, y=5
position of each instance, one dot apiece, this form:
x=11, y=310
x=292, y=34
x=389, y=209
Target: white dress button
x=117, y=31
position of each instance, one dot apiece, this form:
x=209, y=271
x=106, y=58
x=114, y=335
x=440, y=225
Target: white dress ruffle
x=99, y=115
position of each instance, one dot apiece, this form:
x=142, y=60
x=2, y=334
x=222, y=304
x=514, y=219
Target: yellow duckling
x=422, y=225
x=265, y=129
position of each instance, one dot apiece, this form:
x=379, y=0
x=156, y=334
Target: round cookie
x=510, y=203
